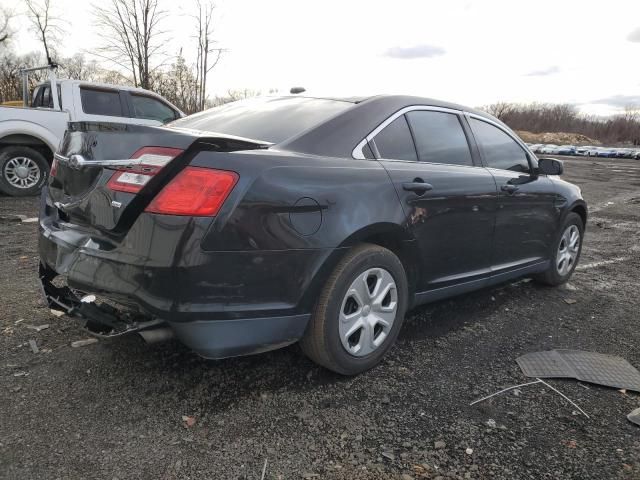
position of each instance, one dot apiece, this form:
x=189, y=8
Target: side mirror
x=550, y=166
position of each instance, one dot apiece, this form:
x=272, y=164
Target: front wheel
x=566, y=252
x=359, y=312
x=23, y=171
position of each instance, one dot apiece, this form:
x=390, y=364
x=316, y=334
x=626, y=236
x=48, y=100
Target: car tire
x=368, y=271
x=16, y=161
x=558, y=272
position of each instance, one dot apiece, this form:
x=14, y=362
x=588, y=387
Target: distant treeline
x=546, y=117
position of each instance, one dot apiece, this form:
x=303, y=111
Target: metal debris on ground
x=188, y=420
x=38, y=328
x=264, y=469
x=34, y=346
x=607, y=370
x=502, y=391
x=634, y=416
x=570, y=301
x=492, y=423
x=12, y=218
x=56, y=313
x=82, y=343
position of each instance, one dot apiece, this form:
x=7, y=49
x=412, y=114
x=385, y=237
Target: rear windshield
x=267, y=119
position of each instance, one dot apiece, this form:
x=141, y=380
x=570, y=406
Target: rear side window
x=101, y=102
x=271, y=119
x=499, y=149
x=47, y=101
x=151, y=108
x=395, y=142
x=439, y=138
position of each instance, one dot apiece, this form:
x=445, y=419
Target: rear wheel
x=566, y=252
x=359, y=313
x=23, y=171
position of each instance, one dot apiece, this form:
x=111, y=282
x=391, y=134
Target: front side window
x=152, y=109
x=499, y=150
x=395, y=142
x=439, y=137
x=101, y=102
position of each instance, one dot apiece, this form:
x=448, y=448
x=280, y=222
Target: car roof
x=337, y=136
x=401, y=101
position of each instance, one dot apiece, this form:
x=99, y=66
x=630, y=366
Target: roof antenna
x=296, y=90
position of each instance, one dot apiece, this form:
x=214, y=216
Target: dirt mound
x=557, y=138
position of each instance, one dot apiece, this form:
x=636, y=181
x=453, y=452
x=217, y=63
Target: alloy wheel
x=368, y=311
x=568, y=250
x=22, y=172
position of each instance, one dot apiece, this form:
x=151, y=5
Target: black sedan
x=275, y=220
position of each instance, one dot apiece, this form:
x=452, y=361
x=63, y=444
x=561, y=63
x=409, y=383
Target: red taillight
x=152, y=159
x=195, y=191
x=54, y=168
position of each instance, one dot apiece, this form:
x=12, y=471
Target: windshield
x=270, y=119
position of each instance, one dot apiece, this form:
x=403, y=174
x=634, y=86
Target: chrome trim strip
x=77, y=162
x=357, y=151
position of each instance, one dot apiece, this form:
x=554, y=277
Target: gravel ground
x=115, y=409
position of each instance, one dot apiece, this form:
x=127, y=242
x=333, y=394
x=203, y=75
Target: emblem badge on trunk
x=115, y=204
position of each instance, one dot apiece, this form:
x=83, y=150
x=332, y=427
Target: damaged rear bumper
x=101, y=319
x=219, y=304
x=210, y=339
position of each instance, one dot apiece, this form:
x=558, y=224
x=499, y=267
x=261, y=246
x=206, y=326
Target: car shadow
x=172, y=369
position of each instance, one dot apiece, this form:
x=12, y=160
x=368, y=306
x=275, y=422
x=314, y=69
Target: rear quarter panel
x=289, y=201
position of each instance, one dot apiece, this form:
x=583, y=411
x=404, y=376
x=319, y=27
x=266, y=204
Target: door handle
x=418, y=186
x=509, y=188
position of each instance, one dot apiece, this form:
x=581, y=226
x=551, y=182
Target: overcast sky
x=470, y=52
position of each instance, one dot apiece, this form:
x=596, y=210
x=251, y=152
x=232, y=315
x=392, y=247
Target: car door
x=449, y=200
x=526, y=217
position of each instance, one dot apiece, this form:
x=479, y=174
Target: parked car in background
x=548, y=149
x=606, y=152
x=30, y=135
x=624, y=152
x=535, y=147
x=582, y=150
x=274, y=220
x=566, y=150
x=592, y=151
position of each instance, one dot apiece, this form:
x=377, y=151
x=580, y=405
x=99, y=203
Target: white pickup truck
x=30, y=135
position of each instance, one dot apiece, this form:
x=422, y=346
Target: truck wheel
x=23, y=171
x=359, y=312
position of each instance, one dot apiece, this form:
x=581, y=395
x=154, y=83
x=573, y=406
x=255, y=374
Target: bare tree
x=10, y=66
x=78, y=67
x=132, y=35
x=499, y=110
x=235, y=95
x=5, y=32
x=179, y=85
x=205, y=63
x=47, y=26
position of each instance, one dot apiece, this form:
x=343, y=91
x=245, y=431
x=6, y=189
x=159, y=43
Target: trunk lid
x=79, y=186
